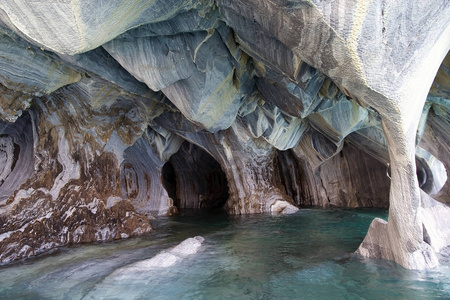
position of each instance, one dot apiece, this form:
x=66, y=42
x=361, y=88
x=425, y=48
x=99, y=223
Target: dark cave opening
x=424, y=175
x=293, y=178
x=170, y=181
x=195, y=180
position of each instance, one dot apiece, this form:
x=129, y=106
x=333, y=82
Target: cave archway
x=194, y=179
x=170, y=181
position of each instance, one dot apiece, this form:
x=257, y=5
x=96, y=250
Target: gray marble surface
x=297, y=103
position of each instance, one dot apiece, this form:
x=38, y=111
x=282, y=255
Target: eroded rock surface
x=64, y=191
x=113, y=113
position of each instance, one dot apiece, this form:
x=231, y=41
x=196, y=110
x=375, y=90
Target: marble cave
x=117, y=113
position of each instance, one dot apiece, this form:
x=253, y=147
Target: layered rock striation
x=114, y=113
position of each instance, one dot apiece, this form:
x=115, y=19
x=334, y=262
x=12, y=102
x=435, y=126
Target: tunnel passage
x=170, y=181
x=194, y=179
x=424, y=175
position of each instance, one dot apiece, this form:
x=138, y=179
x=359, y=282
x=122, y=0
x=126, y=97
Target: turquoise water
x=302, y=256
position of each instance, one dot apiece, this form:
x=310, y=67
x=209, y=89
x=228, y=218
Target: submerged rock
x=164, y=259
x=282, y=207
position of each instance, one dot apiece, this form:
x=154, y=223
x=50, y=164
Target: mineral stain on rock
x=116, y=113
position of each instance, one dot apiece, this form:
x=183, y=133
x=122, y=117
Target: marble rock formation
x=114, y=113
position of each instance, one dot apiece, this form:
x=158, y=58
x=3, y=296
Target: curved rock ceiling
x=114, y=113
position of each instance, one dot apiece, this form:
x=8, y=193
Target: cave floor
x=306, y=255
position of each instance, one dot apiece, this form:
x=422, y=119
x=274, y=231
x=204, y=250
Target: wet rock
x=164, y=259
x=282, y=207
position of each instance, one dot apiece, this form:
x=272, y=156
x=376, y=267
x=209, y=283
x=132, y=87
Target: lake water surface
x=302, y=256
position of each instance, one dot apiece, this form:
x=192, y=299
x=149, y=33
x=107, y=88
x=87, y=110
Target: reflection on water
x=301, y=256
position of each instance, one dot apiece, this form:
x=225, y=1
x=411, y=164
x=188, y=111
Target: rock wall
x=142, y=171
x=351, y=178
x=113, y=113
x=63, y=189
